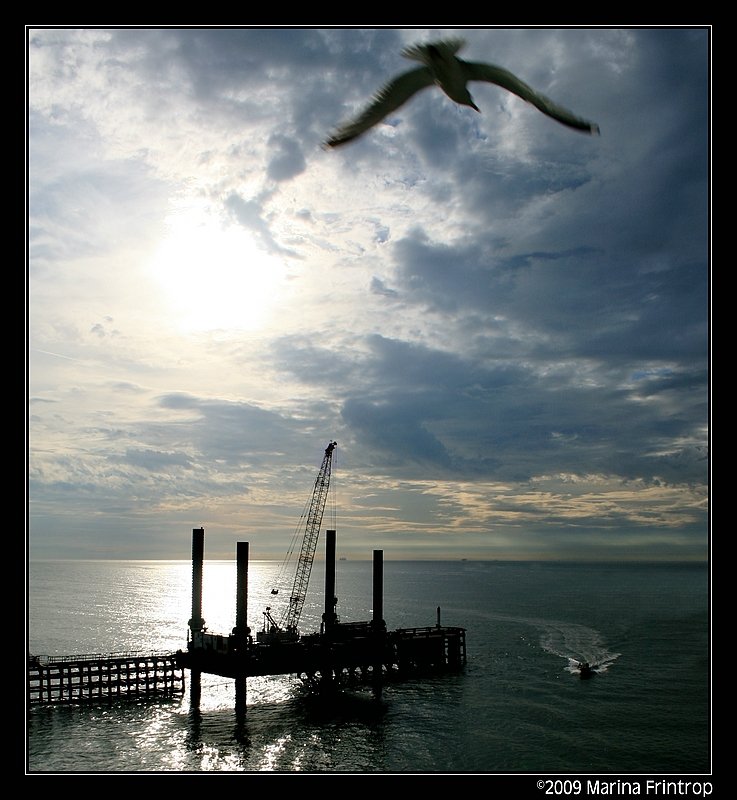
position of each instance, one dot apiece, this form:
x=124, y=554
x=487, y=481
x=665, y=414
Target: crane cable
x=285, y=570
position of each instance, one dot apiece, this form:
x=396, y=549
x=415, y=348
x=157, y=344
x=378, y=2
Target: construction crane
x=287, y=628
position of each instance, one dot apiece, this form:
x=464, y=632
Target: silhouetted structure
x=96, y=678
x=340, y=654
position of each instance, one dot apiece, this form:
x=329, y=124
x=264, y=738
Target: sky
x=503, y=322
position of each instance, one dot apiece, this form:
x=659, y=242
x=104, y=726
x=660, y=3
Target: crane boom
x=309, y=543
x=287, y=627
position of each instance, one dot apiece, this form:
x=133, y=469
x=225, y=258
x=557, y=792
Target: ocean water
x=518, y=708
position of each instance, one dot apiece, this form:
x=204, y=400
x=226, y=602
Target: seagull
x=441, y=67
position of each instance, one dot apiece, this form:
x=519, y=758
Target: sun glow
x=215, y=277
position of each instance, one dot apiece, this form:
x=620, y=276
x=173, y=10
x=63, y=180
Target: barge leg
x=196, y=623
x=329, y=617
x=378, y=621
x=241, y=632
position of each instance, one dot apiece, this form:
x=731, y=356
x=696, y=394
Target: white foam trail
x=576, y=643
x=573, y=642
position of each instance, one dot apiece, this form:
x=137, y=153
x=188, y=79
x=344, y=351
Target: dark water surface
x=519, y=707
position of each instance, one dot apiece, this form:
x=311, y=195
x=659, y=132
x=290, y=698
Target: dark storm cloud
x=156, y=461
x=211, y=431
x=287, y=161
x=257, y=73
x=590, y=302
x=225, y=437
x=508, y=422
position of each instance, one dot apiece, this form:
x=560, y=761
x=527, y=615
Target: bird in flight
x=441, y=67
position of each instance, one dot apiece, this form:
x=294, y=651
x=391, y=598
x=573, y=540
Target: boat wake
x=575, y=643
x=578, y=645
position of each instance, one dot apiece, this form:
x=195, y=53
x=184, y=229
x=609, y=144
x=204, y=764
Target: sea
x=519, y=708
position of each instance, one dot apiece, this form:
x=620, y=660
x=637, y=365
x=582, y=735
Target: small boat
x=585, y=670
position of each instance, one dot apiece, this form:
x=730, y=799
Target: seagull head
x=464, y=98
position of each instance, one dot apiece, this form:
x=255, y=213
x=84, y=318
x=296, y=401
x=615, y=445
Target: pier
x=103, y=678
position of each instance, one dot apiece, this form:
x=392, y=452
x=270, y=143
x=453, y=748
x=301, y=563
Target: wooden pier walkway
x=103, y=678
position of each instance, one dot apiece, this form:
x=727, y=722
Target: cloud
x=249, y=214
x=288, y=160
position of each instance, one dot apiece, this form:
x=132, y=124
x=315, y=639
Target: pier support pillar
x=241, y=629
x=195, y=689
x=241, y=698
x=196, y=623
x=329, y=618
x=378, y=588
x=379, y=626
x=241, y=632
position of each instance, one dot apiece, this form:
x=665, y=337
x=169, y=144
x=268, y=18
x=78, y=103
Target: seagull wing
x=419, y=52
x=390, y=98
x=490, y=73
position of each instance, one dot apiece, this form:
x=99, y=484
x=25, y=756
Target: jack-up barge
x=340, y=654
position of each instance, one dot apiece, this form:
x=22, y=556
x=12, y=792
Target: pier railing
x=47, y=659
